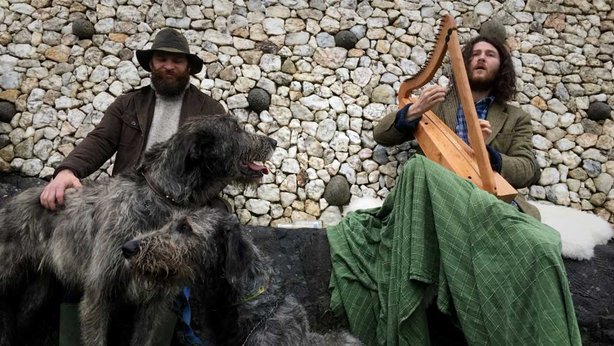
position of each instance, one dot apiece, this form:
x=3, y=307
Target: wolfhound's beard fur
x=81, y=244
x=162, y=261
x=246, y=304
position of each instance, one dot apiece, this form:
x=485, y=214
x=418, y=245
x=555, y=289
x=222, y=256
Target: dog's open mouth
x=254, y=169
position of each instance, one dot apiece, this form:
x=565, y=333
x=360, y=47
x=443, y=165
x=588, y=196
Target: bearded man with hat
x=131, y=124
x=139, y=118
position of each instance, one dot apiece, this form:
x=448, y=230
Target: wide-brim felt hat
x=170, y=40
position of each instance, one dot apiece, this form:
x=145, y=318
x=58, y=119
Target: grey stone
x=4, y=141
x=337, y=191
x=379, y=155
x=591, y=126
x=599, y=111
x=493, y=29
x=592, y=168
x=83, y=28
x=259, y=100
x=267, y=47
x=7, y=111
x=603, y=182
x=345, y=39
x=126, y=54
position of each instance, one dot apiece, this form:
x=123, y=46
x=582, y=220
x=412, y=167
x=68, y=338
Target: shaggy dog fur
x=81, y=244
x=245, y=304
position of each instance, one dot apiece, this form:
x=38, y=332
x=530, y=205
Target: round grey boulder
x=125, y=54
x=83, y=28
x=259, y=100
x=337, y=192
x=599, y=111
x=494, y=30
x=345, y=39
x=7, y=111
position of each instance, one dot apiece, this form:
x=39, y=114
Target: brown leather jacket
x=124, y=129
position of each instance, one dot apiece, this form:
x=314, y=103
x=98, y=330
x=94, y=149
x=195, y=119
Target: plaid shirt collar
x=481, y=107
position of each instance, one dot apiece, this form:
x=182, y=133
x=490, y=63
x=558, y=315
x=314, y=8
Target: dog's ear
x=194, y=148
x=240, y=256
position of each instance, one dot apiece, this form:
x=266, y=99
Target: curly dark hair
x=504, y=85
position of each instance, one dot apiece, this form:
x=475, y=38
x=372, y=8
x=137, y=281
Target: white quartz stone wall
x=325, y=99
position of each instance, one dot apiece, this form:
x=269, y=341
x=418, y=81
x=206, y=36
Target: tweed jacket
x=511, y=136
x=124, y=129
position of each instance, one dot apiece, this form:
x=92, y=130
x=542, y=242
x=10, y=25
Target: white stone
x=237, y=101
x=314, y=189
x=326, y=130
x=337, y=104
x=273, y=26
x=340, y=142
x=315, y=102
x=219, y=38
x=558, y=194
x=565, y=144
x=102, y=101
x=549, y=176
x=290, y=166
x=541, y=142
x=270, y=62
x=257, y=206
x=361, y=76
x=128, y=73
x=297, y=38
x=330, y=57
x=269, y=192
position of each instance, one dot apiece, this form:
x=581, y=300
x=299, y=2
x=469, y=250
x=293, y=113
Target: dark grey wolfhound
x=81, y=244
x=245, y=303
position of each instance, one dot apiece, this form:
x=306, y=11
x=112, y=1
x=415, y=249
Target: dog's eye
x=184, y=227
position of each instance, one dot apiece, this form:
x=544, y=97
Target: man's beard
x=169, y=87
x=482, y=84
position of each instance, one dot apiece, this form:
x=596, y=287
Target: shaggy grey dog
x=81, y=244
x=246, y=305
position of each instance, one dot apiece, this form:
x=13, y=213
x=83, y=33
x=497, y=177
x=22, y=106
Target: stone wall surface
x=329, y=69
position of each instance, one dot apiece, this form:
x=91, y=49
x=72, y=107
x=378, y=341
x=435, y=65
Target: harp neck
x=427, y=72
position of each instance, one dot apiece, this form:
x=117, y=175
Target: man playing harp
x=506, y=129
x=497, y=274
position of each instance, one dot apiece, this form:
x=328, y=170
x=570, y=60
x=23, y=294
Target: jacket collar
x=496, y=116
x=145, y=109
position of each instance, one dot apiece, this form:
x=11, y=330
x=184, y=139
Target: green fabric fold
x=498, y=271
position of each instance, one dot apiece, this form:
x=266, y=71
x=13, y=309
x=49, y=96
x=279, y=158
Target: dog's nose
x=131, y=248
x=273, y=142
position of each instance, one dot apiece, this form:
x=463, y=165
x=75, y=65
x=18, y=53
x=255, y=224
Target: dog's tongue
x=258, y=167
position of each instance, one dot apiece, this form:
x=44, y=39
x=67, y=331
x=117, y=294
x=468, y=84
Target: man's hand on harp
x=429, y=98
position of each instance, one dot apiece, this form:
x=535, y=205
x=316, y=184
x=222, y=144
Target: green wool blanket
x=498, y=272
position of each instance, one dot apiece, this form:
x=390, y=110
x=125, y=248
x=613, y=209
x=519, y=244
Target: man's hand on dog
x=53, y=194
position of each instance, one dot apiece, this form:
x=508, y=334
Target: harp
x=438, y=142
